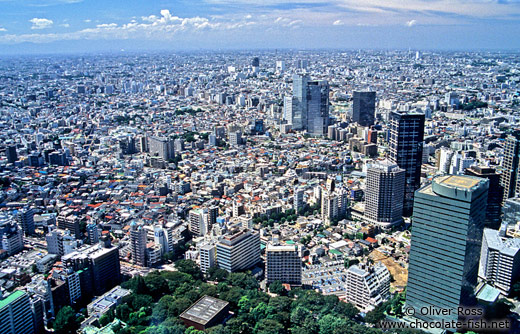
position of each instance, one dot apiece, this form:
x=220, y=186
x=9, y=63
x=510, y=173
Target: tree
x=329, y=323
x=268, y=326
x=66, y=321
x=276, y=287
x=346, y=310
x=156, y=284
x=299, y=314
x=107, y=318
x=375, y=316
x=217, y=274
x=189, y=267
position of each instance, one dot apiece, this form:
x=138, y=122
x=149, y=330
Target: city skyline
x=69, y=26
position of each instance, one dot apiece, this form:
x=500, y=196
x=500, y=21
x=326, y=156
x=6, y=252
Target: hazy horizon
x=77, y=26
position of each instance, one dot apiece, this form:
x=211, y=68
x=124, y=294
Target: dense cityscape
x=260, y=192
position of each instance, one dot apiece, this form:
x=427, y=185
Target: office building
x=12, y=238
x=308, y=108
x=25, y=219
x=283, y=263
x=384, y=194
x=334, y=205
x=406, y=145
x=235, y=138
x=448, y=223
x=199, y=221
x=364, y=108
x=161, y=147
x=138, y=244
x=208, y=257
x=298, y=203
x=367, y=286
x=16, y=316
x=11, y=154
x=92, y=233
x=509, y=179
x=495, y=194
x=511, y=211
x=70, y=223
x=499, y=260
x=238, y=250
x=255, y=62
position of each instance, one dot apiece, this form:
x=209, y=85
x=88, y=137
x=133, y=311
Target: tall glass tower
x=448, y=223
x=406, y=148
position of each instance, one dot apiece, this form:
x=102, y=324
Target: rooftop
x=205, y=309
x=459, y=181
x=10, y=298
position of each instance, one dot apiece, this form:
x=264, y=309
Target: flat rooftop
x=459, y=182
x=205, y=309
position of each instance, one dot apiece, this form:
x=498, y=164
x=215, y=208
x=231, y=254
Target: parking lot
x=328, y=278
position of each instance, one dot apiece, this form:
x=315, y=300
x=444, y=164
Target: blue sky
x=28, y=26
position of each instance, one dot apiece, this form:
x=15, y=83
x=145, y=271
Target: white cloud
x=411, y=23
x=40, y=23
x=109, y=25
x=87, y=21
x=65, y=25
x=2, y=29
x=337, y=23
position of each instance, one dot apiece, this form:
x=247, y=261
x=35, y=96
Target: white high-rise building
x=499, y=260
x=367, y=286
x=199, y=221
x=334, y=204
x=445, y=157
x=238, y=250
x=298, y=202
x=208, y=257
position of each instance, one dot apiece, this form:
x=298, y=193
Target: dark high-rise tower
x=495, y=194
x=255, y=62
x=509, y=179
x=11, y=154
x=364, y=108
x=406, y=146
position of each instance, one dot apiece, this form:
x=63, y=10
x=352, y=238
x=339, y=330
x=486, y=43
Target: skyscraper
x=364, y=108
x=25, y=218
x=495, y=193
x=16, y=316
x=138, y=244
x=283, y=264
x=406, y=146
x=509, y=179
x=11, y=154
x=308, y=107
x=384, y=194
x=448, y=222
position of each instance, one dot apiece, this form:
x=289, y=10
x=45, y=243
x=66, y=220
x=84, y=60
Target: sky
x=69, y=26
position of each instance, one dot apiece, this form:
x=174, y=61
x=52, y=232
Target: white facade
x=367, y=287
